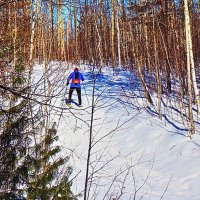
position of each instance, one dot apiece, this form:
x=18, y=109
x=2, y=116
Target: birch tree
x=191, y=74
x=113, y=29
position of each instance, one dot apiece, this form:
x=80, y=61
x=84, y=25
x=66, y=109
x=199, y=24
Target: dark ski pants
x=78, y=90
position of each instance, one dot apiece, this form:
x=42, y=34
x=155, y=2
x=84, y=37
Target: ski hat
x=76, y=69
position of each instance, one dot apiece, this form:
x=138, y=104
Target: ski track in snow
x=160, y=146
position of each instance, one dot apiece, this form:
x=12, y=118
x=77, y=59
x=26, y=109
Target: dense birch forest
x=157, y=40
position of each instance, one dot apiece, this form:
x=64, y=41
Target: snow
x=131, y=146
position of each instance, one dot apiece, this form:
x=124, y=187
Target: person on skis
x=76, y=77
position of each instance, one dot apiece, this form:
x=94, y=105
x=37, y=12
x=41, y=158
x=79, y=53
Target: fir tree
x=13, y=138
x=47, y=180
x=28, y=166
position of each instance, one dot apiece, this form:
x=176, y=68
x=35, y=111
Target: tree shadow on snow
x=180, y=130
x=114, y=84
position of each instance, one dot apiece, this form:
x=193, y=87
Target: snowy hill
x=134, y=154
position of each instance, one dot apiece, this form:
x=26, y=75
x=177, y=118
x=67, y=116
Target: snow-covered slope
x=134, y=153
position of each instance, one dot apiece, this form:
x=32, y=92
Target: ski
x=69, y=105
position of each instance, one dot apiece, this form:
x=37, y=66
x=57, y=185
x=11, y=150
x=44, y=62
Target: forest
x=156, y=41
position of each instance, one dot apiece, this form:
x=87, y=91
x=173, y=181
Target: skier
x=76, y=77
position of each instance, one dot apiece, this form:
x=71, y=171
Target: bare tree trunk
x=61, y=40
x=33, y=12
x=158, y=78
x=99, y=40
x=147, y=94
x=52, y=31
x=168, y=67
x=75, y=31
x=59, y=29
x=191, y=57
x=68, y=37
x=189, y=74
x=118, y=41
x=113, y=30
x=15, y=36
x=86, y=194
x=33, y=19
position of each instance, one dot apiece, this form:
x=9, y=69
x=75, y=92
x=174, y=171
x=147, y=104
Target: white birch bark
x=75, y=29
x=113, y=29
x=188, y=47
x=99, y=41
x=118, y=41
x=191, y=57
x=33, y=20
